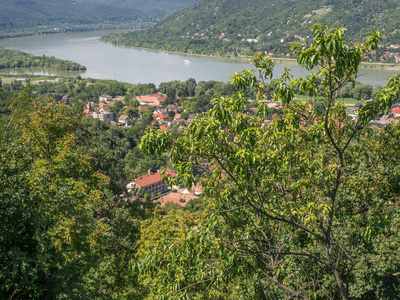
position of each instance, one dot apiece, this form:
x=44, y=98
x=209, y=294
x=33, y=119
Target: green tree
x=49, y=197
x=302, y=208
x=171, y=114
x=117, y=107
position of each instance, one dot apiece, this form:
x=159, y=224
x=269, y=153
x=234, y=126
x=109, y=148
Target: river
x=104, y=61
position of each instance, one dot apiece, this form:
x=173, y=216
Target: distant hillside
x=237, y=26
x=154, y=8
x=19, y=17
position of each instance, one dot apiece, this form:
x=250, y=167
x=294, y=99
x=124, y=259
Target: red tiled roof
x=180, y=198
x=148, y=179
x=161, y=116
x=87, y=112
x=152, y=97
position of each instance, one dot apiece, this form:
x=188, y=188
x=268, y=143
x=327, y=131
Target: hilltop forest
x=26, y=17
x=235, y=27
x=154, y=8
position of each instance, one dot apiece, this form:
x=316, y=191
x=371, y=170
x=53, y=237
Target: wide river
x=104, y=61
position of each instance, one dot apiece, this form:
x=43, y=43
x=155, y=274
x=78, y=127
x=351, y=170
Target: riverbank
x=137, y=65
x=246, y=59
x=26, y=32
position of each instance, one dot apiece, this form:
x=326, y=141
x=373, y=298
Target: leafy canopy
x=303, y=207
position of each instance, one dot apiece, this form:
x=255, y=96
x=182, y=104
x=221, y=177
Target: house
x=142, y=108
x=104, y=109
x=396, y=109
x=180, y=198
x=160, y=116
x=105, y=98
x=170, y=107
x=124, y=119
x=384, y=119
x=106, y=116
x=155, y=99
x=151, y=184
x=102, y=115
x=87, y=112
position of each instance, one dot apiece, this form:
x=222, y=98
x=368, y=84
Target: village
x=168, y=117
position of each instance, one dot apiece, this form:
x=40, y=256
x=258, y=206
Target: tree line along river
x=104, y=61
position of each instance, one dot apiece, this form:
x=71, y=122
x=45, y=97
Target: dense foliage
x=65, y=230
x=223, y=27
x=306, y=207
x=17, y=59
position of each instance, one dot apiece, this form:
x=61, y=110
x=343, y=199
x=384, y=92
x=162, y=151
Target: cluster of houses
x=390, y=118
x=388, y=54
x=155, y=186
x=155, y=101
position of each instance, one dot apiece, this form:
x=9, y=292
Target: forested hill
x=220, y=26
x=19, y=17
x=154, y=8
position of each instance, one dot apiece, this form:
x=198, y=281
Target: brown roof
x=148, y=179
x=123, y=117
x=161, y=116
x=152, y=97
x=179, y=198
x=87, y=112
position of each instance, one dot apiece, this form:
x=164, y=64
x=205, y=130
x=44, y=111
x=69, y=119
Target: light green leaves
x=155, y=142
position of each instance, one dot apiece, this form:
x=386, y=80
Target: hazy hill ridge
x=236, y=25
x=154, y=8
x=32, y=16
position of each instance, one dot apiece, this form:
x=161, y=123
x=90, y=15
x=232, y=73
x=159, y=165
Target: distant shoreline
x=248, y=58
x=387, y=66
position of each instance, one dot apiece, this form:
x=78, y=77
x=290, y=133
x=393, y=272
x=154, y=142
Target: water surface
x=105, y=61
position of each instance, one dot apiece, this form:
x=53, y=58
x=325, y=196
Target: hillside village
x=169, y=118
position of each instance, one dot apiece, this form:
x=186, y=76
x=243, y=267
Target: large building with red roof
x=151, y=99
x=151, y=184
